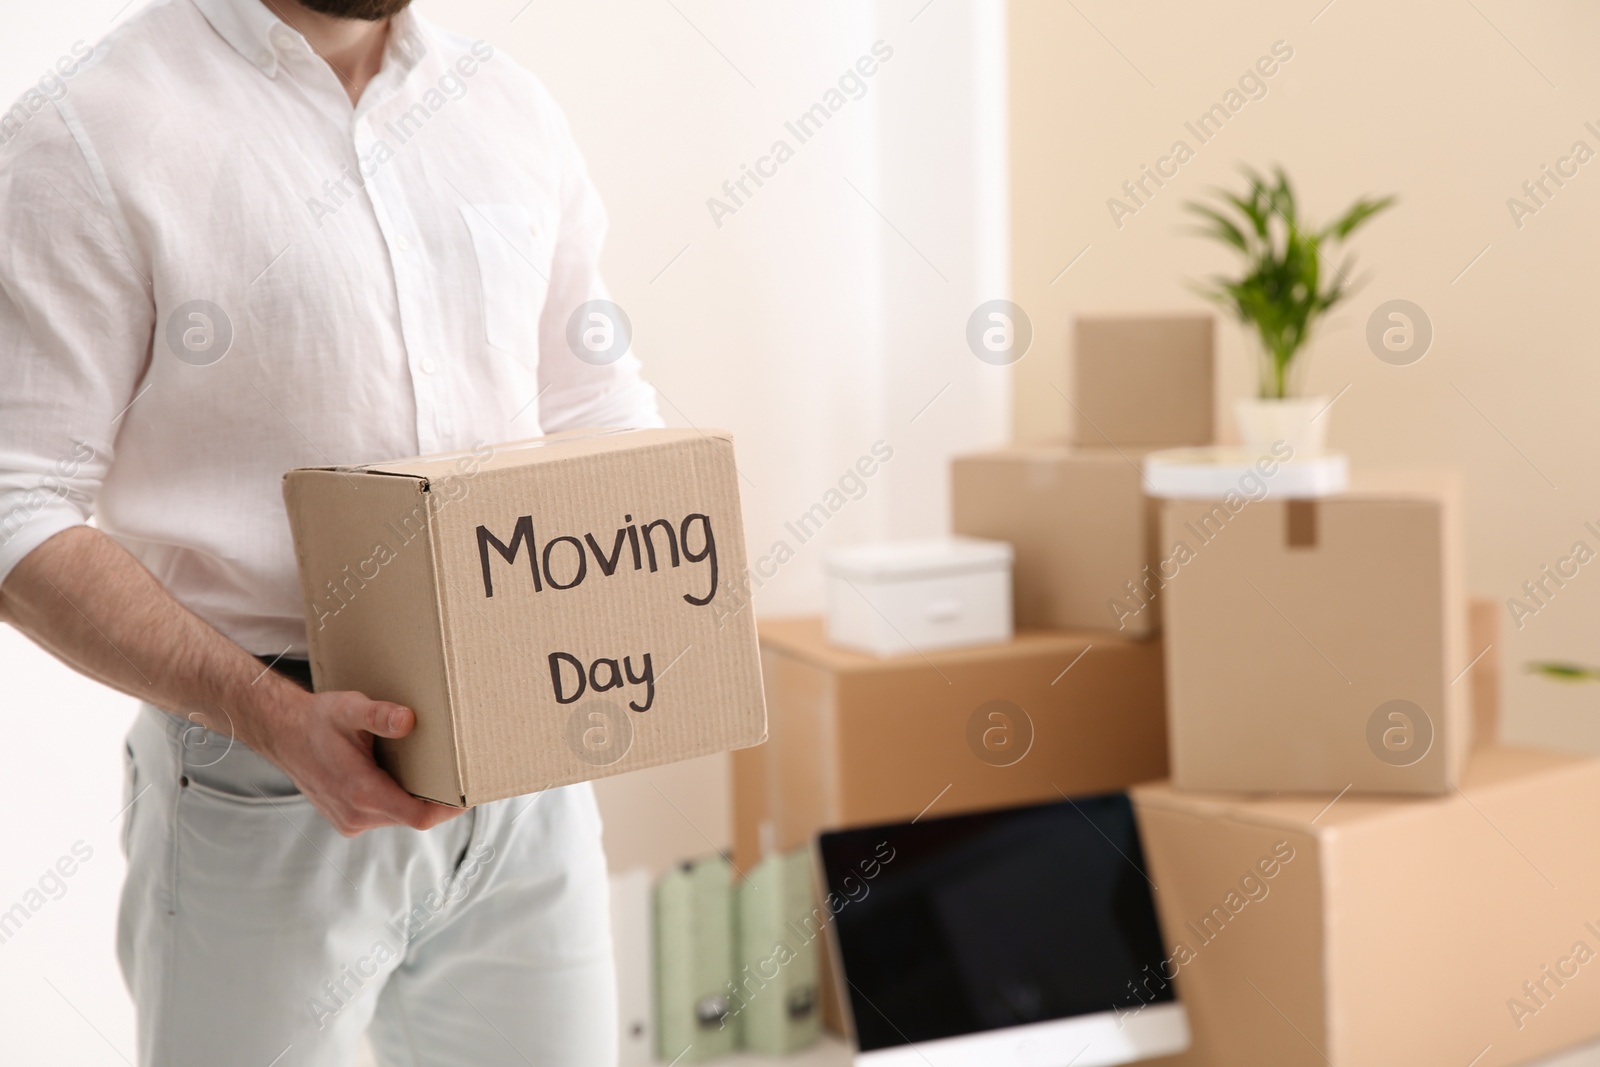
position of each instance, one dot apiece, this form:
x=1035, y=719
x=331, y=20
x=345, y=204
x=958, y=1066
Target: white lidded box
x=903, y=597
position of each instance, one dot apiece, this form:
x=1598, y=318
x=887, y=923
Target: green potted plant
x=1279, y=297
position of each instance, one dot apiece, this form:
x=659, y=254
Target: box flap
x=368, y=578
x=568, y=445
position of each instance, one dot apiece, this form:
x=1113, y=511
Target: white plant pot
x=1293, y=420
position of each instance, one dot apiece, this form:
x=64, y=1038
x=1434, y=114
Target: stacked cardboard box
x=1310, y=661
x=1321, y=664
x=1085, y=536
x=1073, y=704
x=856, y=739
x=1317, y=644
x=1383, y=931
x=1083, y=533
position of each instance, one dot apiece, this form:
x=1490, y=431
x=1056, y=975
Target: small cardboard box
x=1384, y=932
x=1144, y=380
x=858, y=740
x=1082, y=529
x=547, y=608
x=1318, y=644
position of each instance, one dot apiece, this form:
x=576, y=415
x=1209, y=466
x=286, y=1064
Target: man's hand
x=84, y=598
x=323, y=742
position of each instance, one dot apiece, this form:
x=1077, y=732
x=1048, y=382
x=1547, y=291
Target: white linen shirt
x=215, y=269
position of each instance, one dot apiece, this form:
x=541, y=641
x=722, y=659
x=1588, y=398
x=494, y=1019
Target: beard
x=364, y=10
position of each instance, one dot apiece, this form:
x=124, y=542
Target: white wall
x=822, y=316
x=830, y=309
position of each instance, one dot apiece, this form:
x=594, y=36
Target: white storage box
x=905, y=597
x=1211, y=473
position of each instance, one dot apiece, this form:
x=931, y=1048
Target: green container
x=694, y=962
x=774, y=995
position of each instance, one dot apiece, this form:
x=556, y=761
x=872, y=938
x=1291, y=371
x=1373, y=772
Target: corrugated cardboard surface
x=1279, y=654
x=1079, y=523
x=857, y=740
x=367, y=577
x=1402, y=928
x=1144, y=380
x=510, y=733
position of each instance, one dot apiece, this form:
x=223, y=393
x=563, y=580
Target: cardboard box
x=1144, y=380
x=1384, y=932
x=547, y=608
x=857, y=740
x=1083, y=531
x=1314, y=644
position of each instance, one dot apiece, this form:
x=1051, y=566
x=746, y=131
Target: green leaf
x=1222, y=228
x=1565, y=672
x=1359, y=212
x=1282, y=289
x=1251, y=209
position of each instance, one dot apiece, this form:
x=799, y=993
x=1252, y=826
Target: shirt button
x=428, y=365
x=264, y=59
x=403, y=243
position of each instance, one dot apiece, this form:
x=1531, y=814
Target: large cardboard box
x=857, y=739
x=1082, y=529
x=547, y=608
x=1316, y=644
x=1144, y=380
x=1384, y=932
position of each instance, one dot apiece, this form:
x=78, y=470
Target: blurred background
x=828, y=311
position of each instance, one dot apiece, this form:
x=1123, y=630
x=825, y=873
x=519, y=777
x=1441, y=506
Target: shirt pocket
x=513, y=274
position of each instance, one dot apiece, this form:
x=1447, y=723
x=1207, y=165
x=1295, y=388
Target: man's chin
x=365, y=10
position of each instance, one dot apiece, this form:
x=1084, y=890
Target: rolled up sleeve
x=75, y=326
x=588, y=374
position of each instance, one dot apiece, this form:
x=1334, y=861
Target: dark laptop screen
x=978, y=922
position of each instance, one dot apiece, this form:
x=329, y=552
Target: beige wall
x=1428, y=100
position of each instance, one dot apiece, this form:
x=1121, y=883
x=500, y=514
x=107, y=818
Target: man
x=251, y=236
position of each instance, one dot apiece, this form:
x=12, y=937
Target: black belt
x=297, y=671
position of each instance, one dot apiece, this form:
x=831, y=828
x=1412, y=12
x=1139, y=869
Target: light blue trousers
x=251, y=932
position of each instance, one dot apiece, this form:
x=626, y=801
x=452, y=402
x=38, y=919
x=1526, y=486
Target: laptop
x=1019, y=938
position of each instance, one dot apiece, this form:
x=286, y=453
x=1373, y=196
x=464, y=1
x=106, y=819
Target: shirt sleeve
x=588, y=374
x=75, y=326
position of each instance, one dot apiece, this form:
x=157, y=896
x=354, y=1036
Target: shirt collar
x=257, y=33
